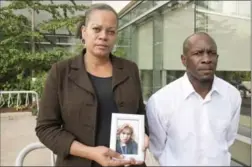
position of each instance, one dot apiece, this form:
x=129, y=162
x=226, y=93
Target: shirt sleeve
x=157, y=132
x=234, y=125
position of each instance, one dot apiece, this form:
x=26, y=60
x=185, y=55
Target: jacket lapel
x=119, y=74
x=79, y=75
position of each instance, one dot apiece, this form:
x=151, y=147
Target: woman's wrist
x=81, y=150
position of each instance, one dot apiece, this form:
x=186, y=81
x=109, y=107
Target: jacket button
x=89, y=104
x=121, y=104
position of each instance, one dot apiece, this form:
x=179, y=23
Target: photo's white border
x=141, y=124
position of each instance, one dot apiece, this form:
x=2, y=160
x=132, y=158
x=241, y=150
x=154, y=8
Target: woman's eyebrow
x=95, y=24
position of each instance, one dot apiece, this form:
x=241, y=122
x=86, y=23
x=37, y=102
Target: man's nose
x=207, y=58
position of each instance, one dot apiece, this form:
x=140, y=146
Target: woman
x=125, y=143
x=81, y=94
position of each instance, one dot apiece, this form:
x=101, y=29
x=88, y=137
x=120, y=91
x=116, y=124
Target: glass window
x=147, y=83
x=125, y=19
x=243, y=8
x=178, y=23
x=123, y=43
x=141, y=8
x=232, y=35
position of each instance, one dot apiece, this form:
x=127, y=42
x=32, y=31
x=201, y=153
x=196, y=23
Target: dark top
x=106, y=106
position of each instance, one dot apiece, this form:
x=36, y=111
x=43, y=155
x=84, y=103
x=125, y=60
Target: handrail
x=29, y=148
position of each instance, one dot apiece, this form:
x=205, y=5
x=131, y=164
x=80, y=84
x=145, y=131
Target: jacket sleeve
x=141, y=107
x=49, y=122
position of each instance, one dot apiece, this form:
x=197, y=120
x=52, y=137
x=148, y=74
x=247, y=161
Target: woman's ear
x=83, y=32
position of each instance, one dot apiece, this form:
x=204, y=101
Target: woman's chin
x=101, y=53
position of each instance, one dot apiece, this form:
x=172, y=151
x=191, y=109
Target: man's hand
x=146, y=145
x=146, y=142
x=107, y=157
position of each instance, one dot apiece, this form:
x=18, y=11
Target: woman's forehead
x=103, y=18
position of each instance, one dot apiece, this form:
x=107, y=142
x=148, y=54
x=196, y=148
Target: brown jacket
x=68, y=106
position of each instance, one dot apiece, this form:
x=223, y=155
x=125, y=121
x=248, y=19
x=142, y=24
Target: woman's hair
x=84, y=19
x=125, y=126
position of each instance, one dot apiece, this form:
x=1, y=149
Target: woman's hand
x=107, y=157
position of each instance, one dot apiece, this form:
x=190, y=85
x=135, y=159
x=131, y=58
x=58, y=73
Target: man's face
x=201, y=58
x=100, y=32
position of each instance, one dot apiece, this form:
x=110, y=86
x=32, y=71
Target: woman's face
x=125, y=135
x=100, y=32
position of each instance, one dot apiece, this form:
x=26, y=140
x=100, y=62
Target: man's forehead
x=201, y=40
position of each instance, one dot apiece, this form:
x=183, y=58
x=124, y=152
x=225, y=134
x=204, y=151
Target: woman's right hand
x=107, y=157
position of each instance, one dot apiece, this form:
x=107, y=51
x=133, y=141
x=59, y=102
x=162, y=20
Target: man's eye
x=199, y=53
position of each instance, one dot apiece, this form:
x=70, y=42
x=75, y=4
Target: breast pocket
x=219, y=126
x=79, y=111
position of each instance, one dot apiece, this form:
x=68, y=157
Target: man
x=194, y=120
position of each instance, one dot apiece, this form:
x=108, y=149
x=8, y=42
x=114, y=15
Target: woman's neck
x=98, y=66
x=95, y=61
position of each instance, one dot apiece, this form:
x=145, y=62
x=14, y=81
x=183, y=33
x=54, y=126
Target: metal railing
x=14, y=98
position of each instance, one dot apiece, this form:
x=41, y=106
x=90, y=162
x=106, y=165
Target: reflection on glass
x=147, y=85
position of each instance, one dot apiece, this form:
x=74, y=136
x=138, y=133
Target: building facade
x=151, y=34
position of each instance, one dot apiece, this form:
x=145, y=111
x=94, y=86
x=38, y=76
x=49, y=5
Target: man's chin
x=207, y=78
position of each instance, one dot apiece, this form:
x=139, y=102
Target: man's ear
x=183, y=60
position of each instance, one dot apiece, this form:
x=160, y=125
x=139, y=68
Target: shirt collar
x=188, y=88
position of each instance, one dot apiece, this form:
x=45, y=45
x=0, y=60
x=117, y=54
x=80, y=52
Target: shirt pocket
x=219, y=128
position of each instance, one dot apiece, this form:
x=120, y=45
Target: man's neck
x=201, y=87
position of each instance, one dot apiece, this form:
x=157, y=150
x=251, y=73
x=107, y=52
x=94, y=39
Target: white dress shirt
x=186, y=129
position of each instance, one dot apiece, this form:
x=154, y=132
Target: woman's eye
x=111, y=32
x=96, y=29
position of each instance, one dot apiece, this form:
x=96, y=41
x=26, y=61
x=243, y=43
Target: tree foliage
x=18, y=61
